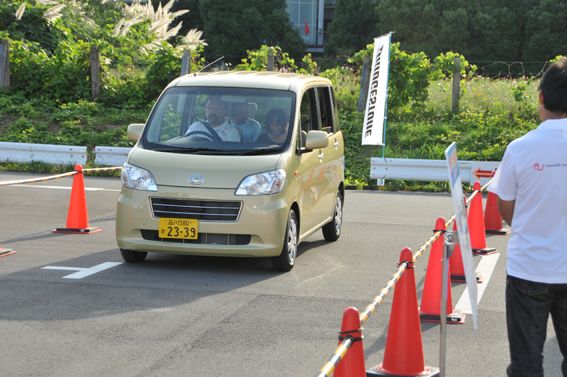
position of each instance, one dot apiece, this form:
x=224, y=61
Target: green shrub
x=27, y=67
x=67, y=72
x=32, y=27
x=164, y=66
x=357, y=157
x=408, y=77
x=443, y=66
x=76, y=111
x=257, y=60
x=346, y=85
x=128, y=90
x=26, y=130
x=63, y=76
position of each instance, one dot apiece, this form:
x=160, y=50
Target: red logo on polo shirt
x=538, y=167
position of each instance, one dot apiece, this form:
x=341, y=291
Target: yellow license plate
x=185, y=229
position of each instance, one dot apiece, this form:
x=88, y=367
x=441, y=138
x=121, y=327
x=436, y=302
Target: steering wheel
x=211, y=136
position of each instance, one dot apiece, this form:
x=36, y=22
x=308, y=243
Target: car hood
x=203, y=171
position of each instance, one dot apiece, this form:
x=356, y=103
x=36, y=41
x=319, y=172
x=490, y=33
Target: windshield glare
x=221, y=121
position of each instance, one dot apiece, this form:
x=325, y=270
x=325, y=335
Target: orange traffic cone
x=476, y=224
x=492, y=217
x=352, y=365
x=403, y=354
x=456, y=264
x=430, y=309
x=77, y=218
x=4, y=252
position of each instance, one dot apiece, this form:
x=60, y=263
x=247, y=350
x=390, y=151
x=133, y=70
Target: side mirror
x=316, y=140
x=135, y=131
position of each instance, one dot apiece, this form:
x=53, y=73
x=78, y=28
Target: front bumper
x=262, y=221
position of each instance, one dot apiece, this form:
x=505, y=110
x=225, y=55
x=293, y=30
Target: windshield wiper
x=200, y=150
x=203, y=150
x=186, y=150
x=260, y=151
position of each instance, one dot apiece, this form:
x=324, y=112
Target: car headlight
x=137, y=178
x=267, y=183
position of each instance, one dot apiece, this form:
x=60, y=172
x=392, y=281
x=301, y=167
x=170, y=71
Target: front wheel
x=332, y=230
x=133, y=256
x=285, y=261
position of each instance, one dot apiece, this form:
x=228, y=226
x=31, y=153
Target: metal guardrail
x=56, y=176
x=425, y=170
x=111, y=156
x=48, y=153
x=61, y=154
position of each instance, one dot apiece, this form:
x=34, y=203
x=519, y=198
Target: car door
x=311, y=167
x=332, y=155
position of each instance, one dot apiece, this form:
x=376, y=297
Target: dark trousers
x=528, y=306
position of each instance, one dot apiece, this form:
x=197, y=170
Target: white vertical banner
x=375, y=113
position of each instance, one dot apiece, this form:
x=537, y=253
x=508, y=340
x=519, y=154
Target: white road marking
x=485, y=269
x=66, y=188
x=83, y=272
x=62, y=268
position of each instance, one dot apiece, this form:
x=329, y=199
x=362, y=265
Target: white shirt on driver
x=226, y=131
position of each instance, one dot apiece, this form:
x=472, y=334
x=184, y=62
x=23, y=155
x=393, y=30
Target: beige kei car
x=245, y=164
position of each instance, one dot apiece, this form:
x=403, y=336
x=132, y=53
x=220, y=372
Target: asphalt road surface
x=70, y=307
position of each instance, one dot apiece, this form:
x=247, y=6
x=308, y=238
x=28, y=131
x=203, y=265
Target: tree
x=232, y=27
x=493, y=34
x=432, y=26
x=545, y=25
x=352, y=28
x=413, y=27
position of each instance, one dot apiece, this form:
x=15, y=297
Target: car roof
x=251, y=79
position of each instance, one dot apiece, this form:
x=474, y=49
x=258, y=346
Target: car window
x=326, y=109
x=184, y=118
x=308, y=112
x=309, y=119
x=335, y=110
x=168, y=118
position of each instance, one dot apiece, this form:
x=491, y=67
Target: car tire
x=285, y=261
x=133, y=256
x=332, y=230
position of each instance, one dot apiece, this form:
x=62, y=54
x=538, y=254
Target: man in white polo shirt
x=531, y=184
x=217, y=122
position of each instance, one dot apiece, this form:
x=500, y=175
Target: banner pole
x=386, y=105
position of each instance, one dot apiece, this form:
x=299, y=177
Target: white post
x=186, y=62
x=271, y=62
x=94, y=61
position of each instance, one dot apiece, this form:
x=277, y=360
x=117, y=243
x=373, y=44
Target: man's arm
x=506, y=208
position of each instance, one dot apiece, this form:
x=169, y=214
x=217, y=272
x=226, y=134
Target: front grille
x=204, y=238
x=204, y=210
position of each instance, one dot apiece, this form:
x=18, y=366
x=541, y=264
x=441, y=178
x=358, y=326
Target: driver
x=216, y=119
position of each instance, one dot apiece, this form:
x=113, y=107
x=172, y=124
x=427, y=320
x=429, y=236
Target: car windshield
x=218, y=120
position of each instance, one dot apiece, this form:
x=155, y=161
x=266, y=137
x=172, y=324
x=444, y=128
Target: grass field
x=482, y=94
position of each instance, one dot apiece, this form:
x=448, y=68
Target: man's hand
x=506, y=208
